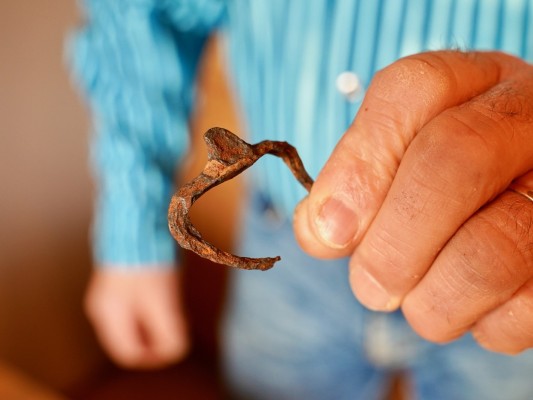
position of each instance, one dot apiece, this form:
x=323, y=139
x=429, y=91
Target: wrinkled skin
x=416, y=194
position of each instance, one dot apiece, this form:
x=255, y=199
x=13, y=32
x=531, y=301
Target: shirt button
x=349, y=85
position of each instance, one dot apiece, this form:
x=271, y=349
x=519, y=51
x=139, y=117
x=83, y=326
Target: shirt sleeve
x=136, y=61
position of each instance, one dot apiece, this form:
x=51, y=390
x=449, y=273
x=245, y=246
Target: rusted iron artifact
x=227, y=156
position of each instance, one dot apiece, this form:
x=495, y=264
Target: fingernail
x=370, y=292
x=337, y=223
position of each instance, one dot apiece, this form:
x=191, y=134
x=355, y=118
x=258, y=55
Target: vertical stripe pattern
x=136, y=61
x=318, y=40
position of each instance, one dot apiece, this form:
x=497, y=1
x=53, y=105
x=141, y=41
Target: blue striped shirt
x=136, y=61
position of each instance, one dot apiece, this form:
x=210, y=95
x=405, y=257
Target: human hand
x=138, y=315
x=415, y=193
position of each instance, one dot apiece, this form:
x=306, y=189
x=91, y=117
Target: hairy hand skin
x=416, y=194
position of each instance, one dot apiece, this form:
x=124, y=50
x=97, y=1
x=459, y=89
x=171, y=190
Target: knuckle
x=480, y=262
x=511, y=218
x=385, y=120
x=489, y=261
x=388, y=254
x=509, y=329
x=448, y=172
x=524, y=303
x=431, y=321
x=464, y=148
x=456, y=160
x=484, y=338
x=519, y=317
x=509, y=101
x=433, y=310
x=415, y=72
x=387, y=247
x=397, y=88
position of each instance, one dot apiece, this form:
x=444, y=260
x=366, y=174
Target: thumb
x=401, y=99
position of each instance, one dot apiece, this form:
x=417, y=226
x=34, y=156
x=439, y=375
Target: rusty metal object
x=227, y=156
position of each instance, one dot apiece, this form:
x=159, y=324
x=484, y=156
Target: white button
x=349, y=85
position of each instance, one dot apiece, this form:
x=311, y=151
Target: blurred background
x=47, y=348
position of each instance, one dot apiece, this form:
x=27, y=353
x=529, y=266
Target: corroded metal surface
x=227, y=156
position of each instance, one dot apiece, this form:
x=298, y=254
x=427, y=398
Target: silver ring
x=522, y=190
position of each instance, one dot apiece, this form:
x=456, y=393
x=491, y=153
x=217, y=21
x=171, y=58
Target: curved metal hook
x=227, y=156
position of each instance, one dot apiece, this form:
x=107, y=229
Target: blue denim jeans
x=297, y=332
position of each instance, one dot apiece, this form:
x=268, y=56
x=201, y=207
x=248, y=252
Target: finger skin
x=459, y=161
x=165, y=326
x=116, y=330
x=509, y=328
x=408, y=180
x=483, y=266
x=401, y=99
x=138, y=315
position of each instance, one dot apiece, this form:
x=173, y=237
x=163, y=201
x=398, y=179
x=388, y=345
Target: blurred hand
x=415, y=193
x=138, y=315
